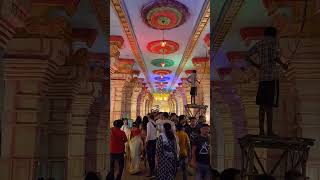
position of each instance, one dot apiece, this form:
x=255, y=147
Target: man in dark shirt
x=201, y=154
x=183, y=122
x=192, y=130
x=266, y=52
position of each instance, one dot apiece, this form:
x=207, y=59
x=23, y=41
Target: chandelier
x=163, y=44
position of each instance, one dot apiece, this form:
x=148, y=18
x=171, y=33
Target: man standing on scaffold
x=193, y=80
x=268, y=91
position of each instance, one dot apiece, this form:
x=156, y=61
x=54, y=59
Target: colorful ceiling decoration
x=188, y=72
x=163, y=47
x=161, y=83
x=165, y=35
x=162, y=72
x=162, y=79
x=162, y=62
x=164, y=14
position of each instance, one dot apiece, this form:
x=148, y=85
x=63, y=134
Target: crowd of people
x=161, y=143
x=164, y=144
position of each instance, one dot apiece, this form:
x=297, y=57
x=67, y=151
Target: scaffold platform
x=294, y=156
x=195, y=110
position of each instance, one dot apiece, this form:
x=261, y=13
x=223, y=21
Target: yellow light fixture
x=163, y=44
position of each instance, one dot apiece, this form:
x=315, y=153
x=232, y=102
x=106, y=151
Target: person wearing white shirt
x=151, y=140
x=127, y=131
x=193, y=80
x=161, y=122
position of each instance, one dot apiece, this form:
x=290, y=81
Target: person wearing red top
x=117, y=141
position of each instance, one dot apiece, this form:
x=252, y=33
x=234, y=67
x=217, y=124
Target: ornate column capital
x=87, y=36
x=249, y=34
x=202, y=64
x=42, y=7
x=207, y=40
x=44, y=27
x=14, y=13
x=116, y=43
x=97, y=67
x=125, y=65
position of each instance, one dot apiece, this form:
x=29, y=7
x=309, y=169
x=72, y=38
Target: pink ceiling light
x=164, y=14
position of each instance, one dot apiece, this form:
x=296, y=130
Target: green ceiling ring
x=157, y=62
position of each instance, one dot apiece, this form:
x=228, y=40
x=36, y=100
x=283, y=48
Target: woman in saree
x=135, y=145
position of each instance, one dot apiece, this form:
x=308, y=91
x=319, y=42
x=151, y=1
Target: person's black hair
x=91, y=176
x=194, y=71
x=114, y=123
x=134, y=124
x=173, y=114
x=118, y=123
x=229, y=174
x=270, y=32
x=264, y=177
x=145, y=121
x=204, y=125
x=290, y=175
x=168, y=132
x=165, y=115
x=181, y=117
x=179, y=127
x=151, y=116
x=191, y=118
x=138, y=120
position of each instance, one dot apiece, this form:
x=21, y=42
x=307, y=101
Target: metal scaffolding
x=195, y=110
x=295, y=152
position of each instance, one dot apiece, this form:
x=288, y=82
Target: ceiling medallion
x=161, y=79
x=164, y=14
x=188, y=72
x=158, y=48
x=162, y=72
x=162, y=62
x=161, y=83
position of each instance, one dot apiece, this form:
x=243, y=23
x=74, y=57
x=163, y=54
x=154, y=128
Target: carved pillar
x=125, y=67
x=98, y=124
x=25, y=90
x=117, y=84
x=77, y=131
x=12, y=15
x=304, y=74
x=202, y=65
x=82, y=39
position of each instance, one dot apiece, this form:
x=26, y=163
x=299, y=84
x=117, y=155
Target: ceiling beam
x=128, y=30
x=201, y=24
x=224, y=22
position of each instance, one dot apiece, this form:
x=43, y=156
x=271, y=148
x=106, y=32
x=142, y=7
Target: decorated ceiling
x=162, y=36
